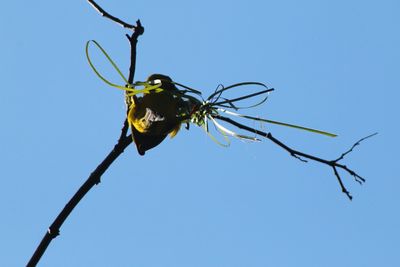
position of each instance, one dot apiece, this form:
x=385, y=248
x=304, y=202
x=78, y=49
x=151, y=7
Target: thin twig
x=356, y=144
x=94, y=178
x=334, y=164
x=107, y=15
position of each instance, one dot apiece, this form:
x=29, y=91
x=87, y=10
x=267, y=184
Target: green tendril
x=112, y=63
x=279, y=123
x=208, y=108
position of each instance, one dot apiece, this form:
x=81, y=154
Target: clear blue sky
x=189, y=202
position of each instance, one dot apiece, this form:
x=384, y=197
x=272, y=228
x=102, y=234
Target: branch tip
x=53, y=233
x=334, y=164
x=353, y=146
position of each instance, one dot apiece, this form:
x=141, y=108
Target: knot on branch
x=334, y=164
x=139, y=28
x=53, y=233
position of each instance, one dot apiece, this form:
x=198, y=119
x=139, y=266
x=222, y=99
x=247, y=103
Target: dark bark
x=95, y=177
x=334, y=164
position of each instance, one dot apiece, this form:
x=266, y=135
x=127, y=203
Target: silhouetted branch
x=107, y=15
x=95, y=177
x=334, y=164
x=133, y=41
x=356, y=144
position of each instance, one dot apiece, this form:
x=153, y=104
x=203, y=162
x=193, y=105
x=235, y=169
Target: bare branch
x=107, y=15
x=356, y=144
x=334, y=164
x=95, y=177
x=344, y=190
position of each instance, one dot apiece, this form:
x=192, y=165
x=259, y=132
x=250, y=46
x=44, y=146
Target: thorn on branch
x=298, y=157
x=53, y=233
x=123, y=142
x=139, y=30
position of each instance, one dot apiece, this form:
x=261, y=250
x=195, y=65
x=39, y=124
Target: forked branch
x=334, y=164
x=125, y=139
